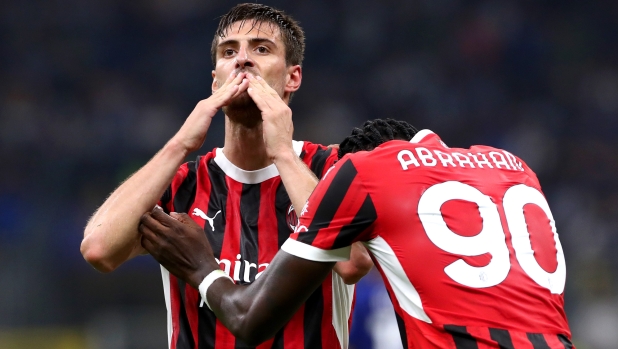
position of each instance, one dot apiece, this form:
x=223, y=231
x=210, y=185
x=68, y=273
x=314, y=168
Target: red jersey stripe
x=175, y=305
x=293, y=334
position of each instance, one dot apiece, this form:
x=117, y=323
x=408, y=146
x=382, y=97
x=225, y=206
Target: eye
x=228, y=52
x=261, y=49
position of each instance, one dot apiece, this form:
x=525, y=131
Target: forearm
x=297, y=178
x=256, y=312
x=111, y=236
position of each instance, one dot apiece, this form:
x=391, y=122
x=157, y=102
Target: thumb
x=182, y=218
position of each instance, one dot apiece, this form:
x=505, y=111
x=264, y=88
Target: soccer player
x=464, y=240
x=239, y=194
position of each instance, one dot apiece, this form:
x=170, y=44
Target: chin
x=242, y=110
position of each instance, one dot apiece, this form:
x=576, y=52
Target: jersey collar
x=250, y=177
x=427, y=136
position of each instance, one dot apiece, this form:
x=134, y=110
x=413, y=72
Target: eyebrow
x=252, y=41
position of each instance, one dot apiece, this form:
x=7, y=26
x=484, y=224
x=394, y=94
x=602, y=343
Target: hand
x=276, y=116
x=179, y=244
x=193, y=132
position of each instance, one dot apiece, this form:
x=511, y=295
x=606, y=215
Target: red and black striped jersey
x=247, y=216
x=464, y=239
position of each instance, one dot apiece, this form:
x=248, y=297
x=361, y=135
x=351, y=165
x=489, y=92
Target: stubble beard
x=243, y=110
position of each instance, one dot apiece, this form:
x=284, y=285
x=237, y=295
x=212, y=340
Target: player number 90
x=492, y=238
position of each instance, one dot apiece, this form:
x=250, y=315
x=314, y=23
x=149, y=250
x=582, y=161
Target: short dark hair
x=374, y=133
x=291, y=33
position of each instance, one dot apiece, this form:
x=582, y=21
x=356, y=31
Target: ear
x=294, y=78
x=214, y=86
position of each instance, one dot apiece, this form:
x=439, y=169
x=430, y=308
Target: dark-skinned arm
x=253, y=313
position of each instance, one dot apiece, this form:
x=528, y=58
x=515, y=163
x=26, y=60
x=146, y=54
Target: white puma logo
x=201, y=214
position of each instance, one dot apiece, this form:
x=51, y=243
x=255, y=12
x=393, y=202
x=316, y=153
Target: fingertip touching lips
x=246, y=70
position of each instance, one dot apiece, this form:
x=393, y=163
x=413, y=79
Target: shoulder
x=199, y=163
x=310, y=147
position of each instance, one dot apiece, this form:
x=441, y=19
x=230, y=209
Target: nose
x=243, y=60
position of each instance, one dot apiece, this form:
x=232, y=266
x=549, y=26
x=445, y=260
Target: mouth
x=245, y=70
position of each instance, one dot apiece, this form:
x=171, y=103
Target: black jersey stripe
x=318, y=160
x=463, y=339
x=537, y=340
x=249, y=214
x=183, y=199
x=365, y=216
x=166, y=198
x=278, y=340
x=216, y=202
x=565, y=341
x=333, y=197
x=402, y=331
x=185, y=195
x=312, y=325
x=185, y=339
x=502, y=337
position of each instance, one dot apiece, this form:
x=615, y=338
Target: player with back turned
x=240, y=195
x=464, y=239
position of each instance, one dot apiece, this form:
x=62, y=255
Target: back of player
x=476, y=240
x=464, y=239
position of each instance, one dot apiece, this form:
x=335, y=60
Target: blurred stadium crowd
x=89, y=90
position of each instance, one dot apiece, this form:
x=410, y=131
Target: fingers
x=149, y=239
x=146, y=242
x=242, y=87
x=185, y=219
x=162, y=217
x=232, y=87
x=264, y=96
x=149, y=222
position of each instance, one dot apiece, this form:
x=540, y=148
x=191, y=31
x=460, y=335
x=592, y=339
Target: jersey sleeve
x=339, y=212
x=319, y=158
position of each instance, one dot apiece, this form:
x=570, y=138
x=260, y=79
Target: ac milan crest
x=291, y=218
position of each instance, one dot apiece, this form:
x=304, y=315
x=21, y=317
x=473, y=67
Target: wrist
x=208, y=281
x=287, y=155
x=203, y=270
x=177, y=147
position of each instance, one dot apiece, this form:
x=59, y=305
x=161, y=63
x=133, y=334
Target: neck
x=244, y=146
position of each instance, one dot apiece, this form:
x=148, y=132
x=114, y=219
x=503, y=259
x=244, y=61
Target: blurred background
x=90, y=90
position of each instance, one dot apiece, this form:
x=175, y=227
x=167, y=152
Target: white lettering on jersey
x=492, y=237
x=406, y=162
x=444, y=158
x=463, y=160
x=425, y=155
x=502, y=162
x=513, y=160
x=491, y=159
x=514, y=201
x=482, y=162
x=226, y=263
x=201, y=214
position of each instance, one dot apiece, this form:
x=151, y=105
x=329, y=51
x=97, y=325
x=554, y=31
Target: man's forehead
x=253, y=28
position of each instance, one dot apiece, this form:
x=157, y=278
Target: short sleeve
x=319, y=158
x=339, y=212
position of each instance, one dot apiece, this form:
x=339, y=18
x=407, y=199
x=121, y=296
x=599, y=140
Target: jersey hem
x=302, y=250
